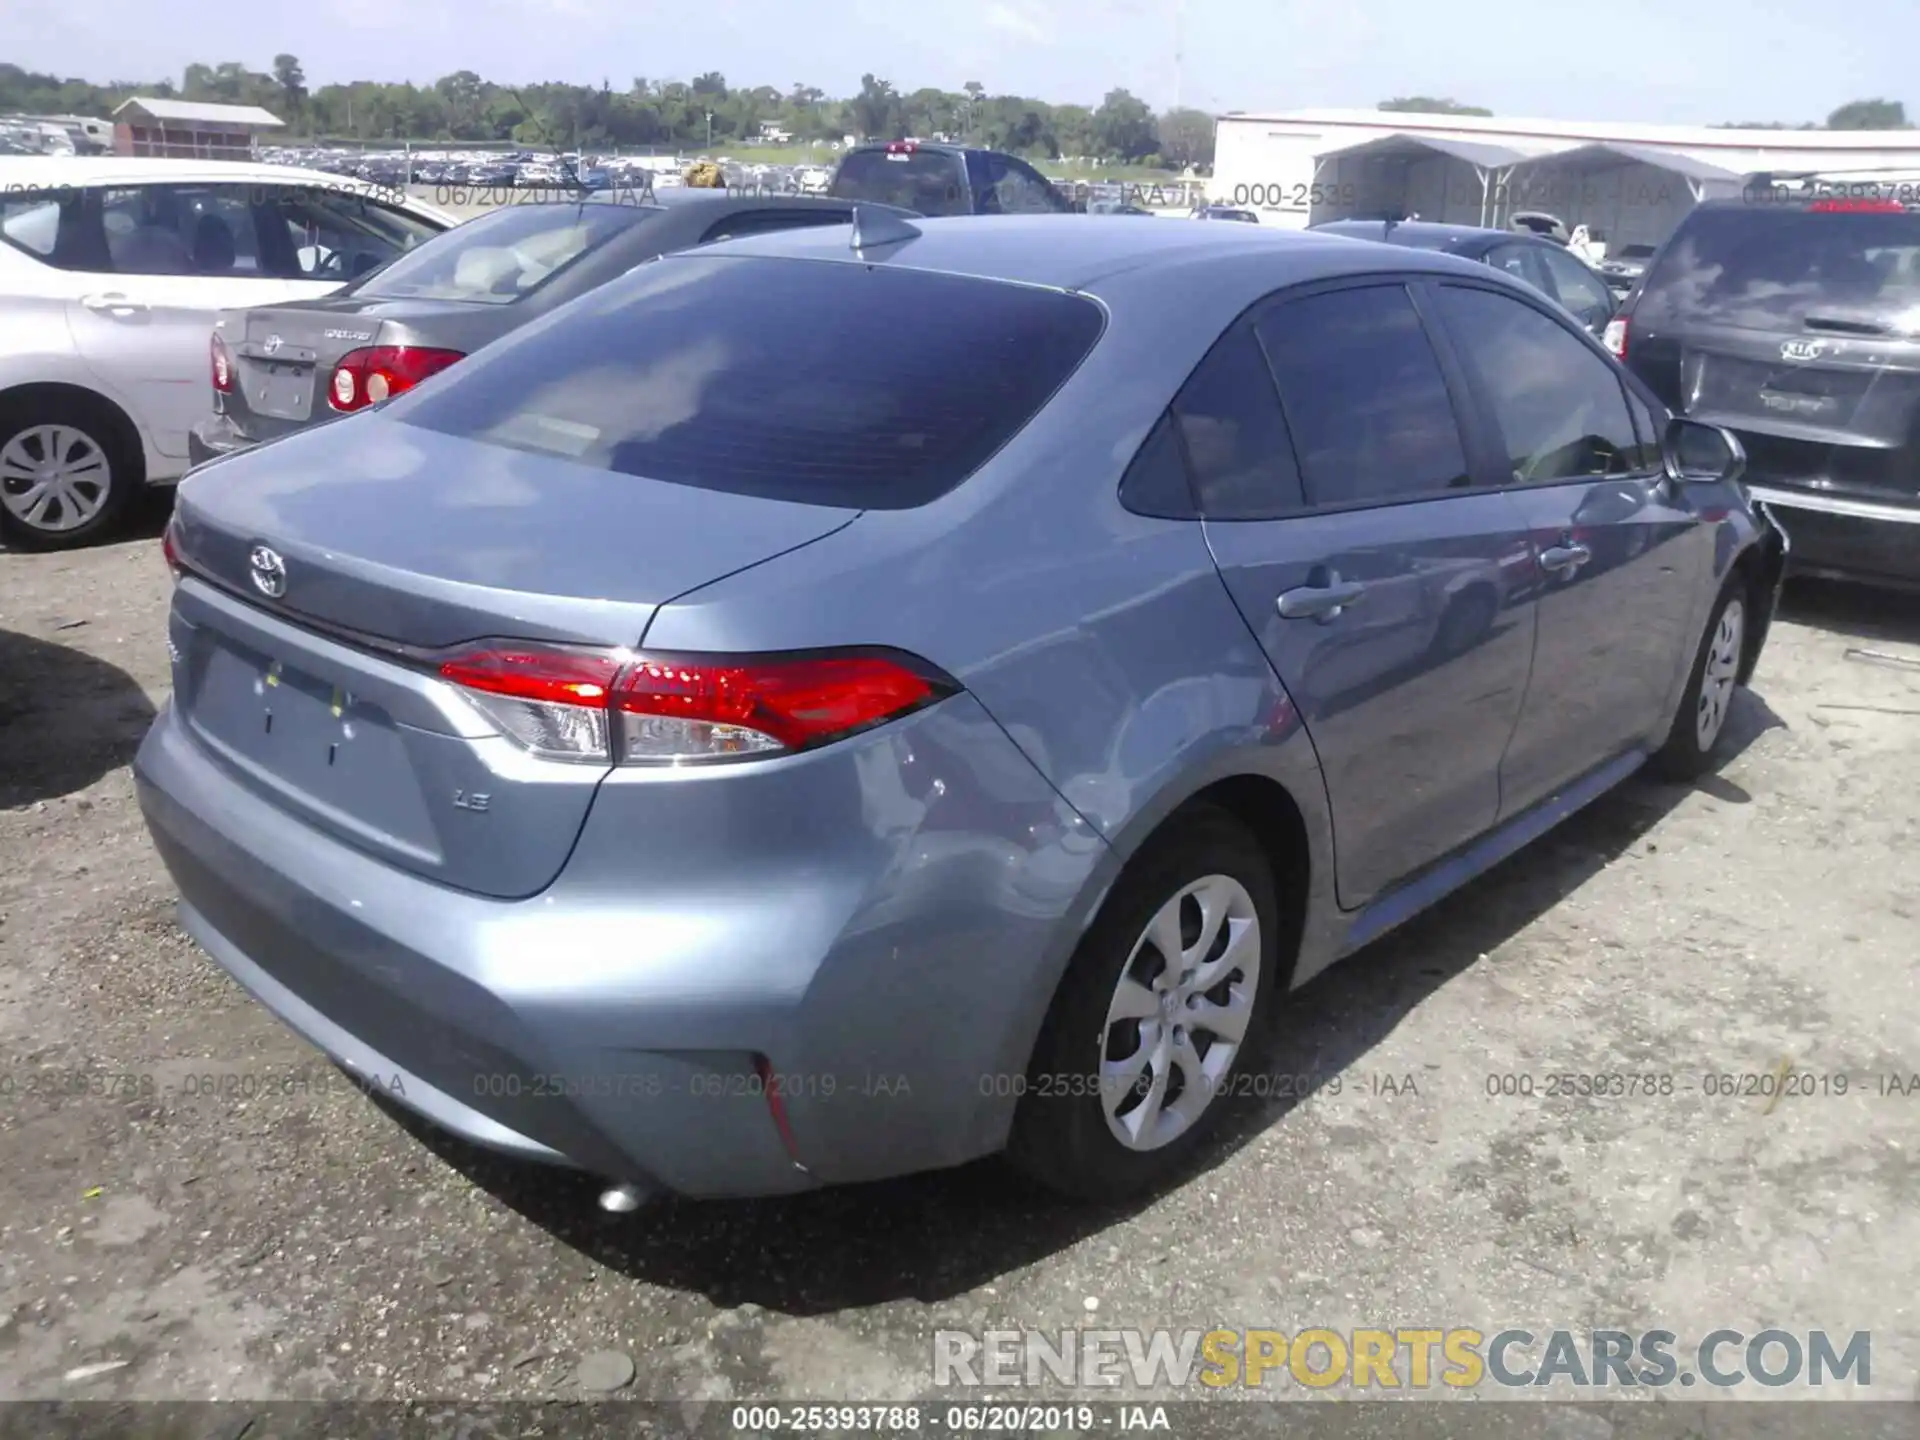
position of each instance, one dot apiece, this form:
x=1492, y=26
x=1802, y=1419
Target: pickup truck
x=936, y=179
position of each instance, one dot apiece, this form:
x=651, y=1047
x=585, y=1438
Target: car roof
x=1066, y=252
x=1427, y=234
x=51, y=172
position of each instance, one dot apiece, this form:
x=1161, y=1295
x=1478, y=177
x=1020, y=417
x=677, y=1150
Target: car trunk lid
x=389, y=554
x=1819, y=405
x=284, y=355
x=1798, y=327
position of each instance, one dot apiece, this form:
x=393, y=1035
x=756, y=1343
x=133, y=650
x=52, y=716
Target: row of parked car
x=159, y=313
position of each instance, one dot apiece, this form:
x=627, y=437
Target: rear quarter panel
x=1103, y=643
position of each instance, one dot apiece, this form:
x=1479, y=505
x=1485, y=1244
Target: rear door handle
x=1324, y=603
x=1565, y=557
x=115, y=304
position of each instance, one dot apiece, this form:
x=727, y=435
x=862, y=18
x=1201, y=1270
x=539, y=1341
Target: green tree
x=293, y=86
x=1186, y=138
x=1427, y=105
x=876, y=111
x=1123, y=127
x=1869, y=115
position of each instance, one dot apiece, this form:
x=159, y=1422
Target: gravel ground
x=254, y=1227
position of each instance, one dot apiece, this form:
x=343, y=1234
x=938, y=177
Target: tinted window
x=761, y=222
x=827, y=384
x=1015, y=189
x=497, y=258
x=1369, y=410
x=1559, y=406
x=1238, y=450
x=930, y=181
x=1517, y=261
x=31, y=224
x=180, y=230
x=337, y=236
x=1768, y=268
x=1647, y=429
x=1576, y=287
x=1156, y=482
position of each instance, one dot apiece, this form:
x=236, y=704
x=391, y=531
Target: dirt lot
x=290, y=1239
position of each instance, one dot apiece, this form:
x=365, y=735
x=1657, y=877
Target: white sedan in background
x=111, y=272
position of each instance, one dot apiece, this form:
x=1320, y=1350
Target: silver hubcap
x=1716, y=682
x=1180, y=1013
x=54, y=477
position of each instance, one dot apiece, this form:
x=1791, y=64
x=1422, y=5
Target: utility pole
x=1179, y=49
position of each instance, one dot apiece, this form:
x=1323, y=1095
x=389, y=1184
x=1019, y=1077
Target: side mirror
x=1697, y=453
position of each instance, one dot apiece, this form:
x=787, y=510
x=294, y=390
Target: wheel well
x=1266, y=809
x=1754, y=571
x=49, y=392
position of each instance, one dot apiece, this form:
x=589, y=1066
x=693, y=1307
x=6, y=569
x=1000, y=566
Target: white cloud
x=1017, y=23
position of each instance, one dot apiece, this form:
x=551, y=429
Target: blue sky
x=1699, y=62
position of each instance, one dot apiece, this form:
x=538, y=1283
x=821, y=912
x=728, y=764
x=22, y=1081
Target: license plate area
x=319, y=749
x=283, y=390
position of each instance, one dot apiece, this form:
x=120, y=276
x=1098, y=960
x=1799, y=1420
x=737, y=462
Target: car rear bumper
x=887, y=955
x=210, y=438
x=1846, y=537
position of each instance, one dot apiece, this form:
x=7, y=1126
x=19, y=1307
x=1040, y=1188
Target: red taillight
x=902, y=147
x=774, y=1090
x=1614, y=337
x=170, y=549
x=663, y=709
x=1857, y=207
x=366, y=377
x=222, y=366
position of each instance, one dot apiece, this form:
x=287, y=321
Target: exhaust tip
x=621, y=1199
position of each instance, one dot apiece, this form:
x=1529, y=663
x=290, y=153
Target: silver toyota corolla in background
x=846, y=702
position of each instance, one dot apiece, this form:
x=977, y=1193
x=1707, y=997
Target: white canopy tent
x=1628, y=193
x=1453, y=182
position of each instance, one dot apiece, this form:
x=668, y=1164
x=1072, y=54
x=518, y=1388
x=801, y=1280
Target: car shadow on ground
x=932, y=1237
x=1856, y=612
x=66, y=719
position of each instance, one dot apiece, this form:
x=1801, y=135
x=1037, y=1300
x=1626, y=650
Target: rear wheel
x=66, y=474
x=1161, y=1010
x=1702, y=719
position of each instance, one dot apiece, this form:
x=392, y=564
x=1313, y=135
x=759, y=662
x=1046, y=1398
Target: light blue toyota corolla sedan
x=845, y=702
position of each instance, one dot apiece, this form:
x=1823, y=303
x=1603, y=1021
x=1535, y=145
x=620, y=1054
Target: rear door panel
x=1410, y=693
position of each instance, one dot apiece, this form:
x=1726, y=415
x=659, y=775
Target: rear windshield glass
x=812, y=381
x=929, y=181
x=500, y=257
x=1770, y=268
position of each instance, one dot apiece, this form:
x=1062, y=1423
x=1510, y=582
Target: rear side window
x=32, y=224
x=1238, y=449
x=809, y=381
x=1770, y=268
x=498, y=258
x=1368, y=406
x=932, y=182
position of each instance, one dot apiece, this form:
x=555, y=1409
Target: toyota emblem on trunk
x=273, y=344
x=269, y=572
